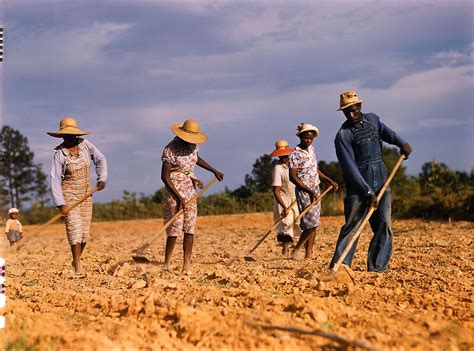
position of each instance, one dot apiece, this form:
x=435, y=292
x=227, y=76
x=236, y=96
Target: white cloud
x=42, y=51
x=422, y=95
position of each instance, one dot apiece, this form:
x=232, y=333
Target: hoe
x=59, y=215
x=356, y=232
x=138, y=255
x=315, y=202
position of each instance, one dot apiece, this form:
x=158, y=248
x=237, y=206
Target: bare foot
x=79, y=270
x=167, y=269
x=295, y=255
x=187, y=272
x=187, y=269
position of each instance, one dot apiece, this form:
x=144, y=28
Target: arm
x=277, y=181
x=56, y=177
x=203, y=164
x=390, y=137
x=165, y=177
x=345, y=155
x=100, y=163
x=299, y=183
x=277, y=194
x=327, y=179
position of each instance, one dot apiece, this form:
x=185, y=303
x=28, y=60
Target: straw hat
x=189, y=131
x=281, y=148
x=12, y=210
x=306, y=127
x=349, y=98
x=68, y=125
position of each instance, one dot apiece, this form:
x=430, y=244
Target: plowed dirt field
x=424, y=302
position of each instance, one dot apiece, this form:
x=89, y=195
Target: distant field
x=425, y=302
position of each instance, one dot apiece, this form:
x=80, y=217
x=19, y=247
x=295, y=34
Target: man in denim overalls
x=359, y=151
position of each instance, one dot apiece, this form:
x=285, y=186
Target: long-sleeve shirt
x=345, y=151
x=58, y=168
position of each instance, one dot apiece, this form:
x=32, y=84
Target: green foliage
x=130, y=207
x=260, y=180
x=436, y=193
x=22, y=343
x=20, y=178
x=333, y=171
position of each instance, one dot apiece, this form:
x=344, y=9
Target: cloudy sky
x=248, y=71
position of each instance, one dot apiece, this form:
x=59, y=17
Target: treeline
x=437, y=192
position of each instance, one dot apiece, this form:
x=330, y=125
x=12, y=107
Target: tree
x=159, y=196
x=19, y=175
x=332, y=170
x=260, y=179
x=438, y=177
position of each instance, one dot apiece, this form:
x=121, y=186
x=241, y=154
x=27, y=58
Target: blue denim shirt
x=359, y=151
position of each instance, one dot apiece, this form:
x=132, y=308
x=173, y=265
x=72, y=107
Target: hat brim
x=67, y=131
x=315, y=130
x=193, y=138
x=350, y=104
x=281, y=152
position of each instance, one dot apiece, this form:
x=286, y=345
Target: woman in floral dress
x=304, y=173
x=179, y=159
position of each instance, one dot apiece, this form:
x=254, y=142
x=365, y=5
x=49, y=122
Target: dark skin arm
x=277, y=194
x=166, y=169
x=203, y=164
x=299, y=183
x=329, y=180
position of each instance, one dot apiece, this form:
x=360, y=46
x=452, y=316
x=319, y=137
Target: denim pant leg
x=380, y=249
x=355, y=209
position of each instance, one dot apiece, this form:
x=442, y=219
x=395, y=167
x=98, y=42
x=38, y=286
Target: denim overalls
x=367, y=148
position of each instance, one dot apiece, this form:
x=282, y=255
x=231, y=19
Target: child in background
x=13, y=229
x=284, y=195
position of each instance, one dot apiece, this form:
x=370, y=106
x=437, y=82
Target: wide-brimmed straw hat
x=12, y=210
x=349, y=98
x=189, y=131
x=281, y=148
x=67, y=126
x=306, y=127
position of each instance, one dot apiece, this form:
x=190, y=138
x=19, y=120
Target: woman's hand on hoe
x=100, y=185
x=313, y=196
x=219, y=175
x=63, y=209
x=285, y=212
x=197, y=183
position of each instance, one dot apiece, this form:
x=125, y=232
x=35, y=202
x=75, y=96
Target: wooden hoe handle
x=72, y=206
x=368, y=215
x=176, y=215
x=267, y=233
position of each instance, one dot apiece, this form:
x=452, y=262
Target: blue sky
x=248, y=71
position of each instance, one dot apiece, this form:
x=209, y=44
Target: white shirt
x=281, y=178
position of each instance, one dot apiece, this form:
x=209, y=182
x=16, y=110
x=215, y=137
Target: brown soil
x=424, y=302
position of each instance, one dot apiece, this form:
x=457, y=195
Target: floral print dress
x=183, y=159
x=306, y=163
